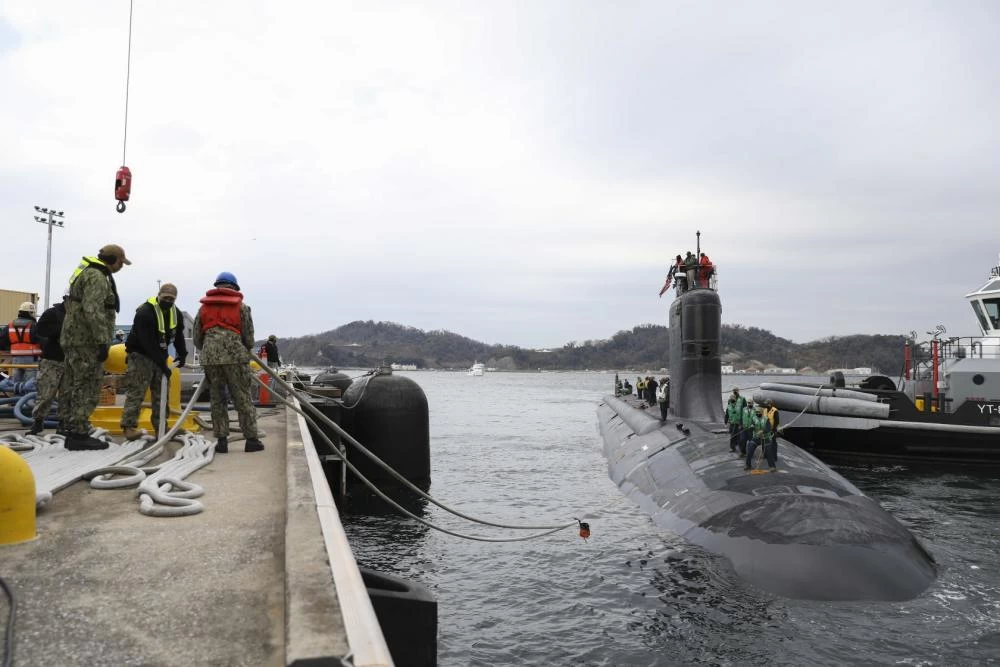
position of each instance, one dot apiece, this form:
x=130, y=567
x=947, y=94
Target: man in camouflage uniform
x=223, y=331
x=89, y=325
x=157, y=324
x=51, y=367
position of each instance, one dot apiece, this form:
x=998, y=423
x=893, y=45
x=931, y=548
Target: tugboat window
x=993, y=311
x=980, y=315
x=978, y=379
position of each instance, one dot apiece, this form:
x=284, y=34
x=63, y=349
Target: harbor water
x=524, y=448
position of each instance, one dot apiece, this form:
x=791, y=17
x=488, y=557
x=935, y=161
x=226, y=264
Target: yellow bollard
x=109, y=416
x=115, y=363
x=17, y=499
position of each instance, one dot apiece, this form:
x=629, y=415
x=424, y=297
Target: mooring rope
x=549, y=529
x=382, y=464
x=357, y=473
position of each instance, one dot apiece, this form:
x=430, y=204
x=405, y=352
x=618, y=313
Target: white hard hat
x=27, y=307
x=120, y=332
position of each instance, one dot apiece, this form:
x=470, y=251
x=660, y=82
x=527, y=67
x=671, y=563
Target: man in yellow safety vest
x=156, y=326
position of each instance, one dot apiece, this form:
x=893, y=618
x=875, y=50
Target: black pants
x=664, y=406
x=770, y=452
x=734, y=434
x=744, y=439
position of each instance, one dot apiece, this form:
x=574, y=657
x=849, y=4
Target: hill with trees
x=365, y=344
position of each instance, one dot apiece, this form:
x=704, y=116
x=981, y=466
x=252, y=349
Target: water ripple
x=524, y=448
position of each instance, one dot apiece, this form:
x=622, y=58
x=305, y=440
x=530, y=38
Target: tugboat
x=801, y=532
x=945, y=409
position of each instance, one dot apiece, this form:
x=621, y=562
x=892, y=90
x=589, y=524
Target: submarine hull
x=801, y=532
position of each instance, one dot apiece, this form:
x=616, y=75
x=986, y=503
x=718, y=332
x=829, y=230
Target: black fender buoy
x=407, y=613
x=388, y=415
x=332, y=378
x=837, y=379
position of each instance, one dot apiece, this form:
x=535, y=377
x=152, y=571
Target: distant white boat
x=477, y=369
x=404, y=367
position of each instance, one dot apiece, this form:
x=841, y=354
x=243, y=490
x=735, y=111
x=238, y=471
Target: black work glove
x=166, y=370
x=180, y=362
x=102, y=352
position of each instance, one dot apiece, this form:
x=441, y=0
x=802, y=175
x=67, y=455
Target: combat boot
x=37, y=427
x=132, y=433
x=77, y=442
x=254, y=445
x=222, y=446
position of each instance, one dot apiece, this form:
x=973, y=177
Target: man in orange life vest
x=223, y=331
x=705, y=270
x=21, y=341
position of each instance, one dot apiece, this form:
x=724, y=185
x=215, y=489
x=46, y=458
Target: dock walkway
x=246, y=582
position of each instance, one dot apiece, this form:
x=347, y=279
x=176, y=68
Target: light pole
x=50, y=221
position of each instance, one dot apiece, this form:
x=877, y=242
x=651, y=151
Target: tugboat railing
x=970, y=347
x=959, y=347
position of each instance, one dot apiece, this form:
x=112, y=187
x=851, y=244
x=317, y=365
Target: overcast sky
x=517, y=172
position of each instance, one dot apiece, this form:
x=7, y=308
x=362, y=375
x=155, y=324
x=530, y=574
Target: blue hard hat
x=226, y=277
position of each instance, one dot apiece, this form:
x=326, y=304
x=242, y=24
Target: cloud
x=516, y=172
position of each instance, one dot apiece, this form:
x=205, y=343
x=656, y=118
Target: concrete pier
x=249, y=581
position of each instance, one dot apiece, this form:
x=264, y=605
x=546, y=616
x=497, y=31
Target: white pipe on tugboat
x=824, y=390
x=802, y=412
x=347, y=436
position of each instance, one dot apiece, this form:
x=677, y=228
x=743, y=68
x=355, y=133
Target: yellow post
x=17, y=499
x=109, y=416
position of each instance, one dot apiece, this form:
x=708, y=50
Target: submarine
x=802, y=531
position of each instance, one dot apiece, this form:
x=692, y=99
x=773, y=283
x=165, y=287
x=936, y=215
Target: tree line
x=365, y=344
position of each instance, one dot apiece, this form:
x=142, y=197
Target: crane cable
x=128, y=72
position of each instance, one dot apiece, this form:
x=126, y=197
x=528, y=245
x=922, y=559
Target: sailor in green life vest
x=91, y=306
x=747, y=417
x=734, y=418
x=762, y=436
x=640, y=388
x=156, y=326
x=729, y=417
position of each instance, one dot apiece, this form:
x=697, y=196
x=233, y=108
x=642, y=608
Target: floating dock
x=263, y=576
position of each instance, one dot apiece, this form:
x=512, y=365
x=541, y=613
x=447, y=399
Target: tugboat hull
x=846, y=438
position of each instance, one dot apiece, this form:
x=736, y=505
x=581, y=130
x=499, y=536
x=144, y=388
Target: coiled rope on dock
x=162, y=489
x=54, y=467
